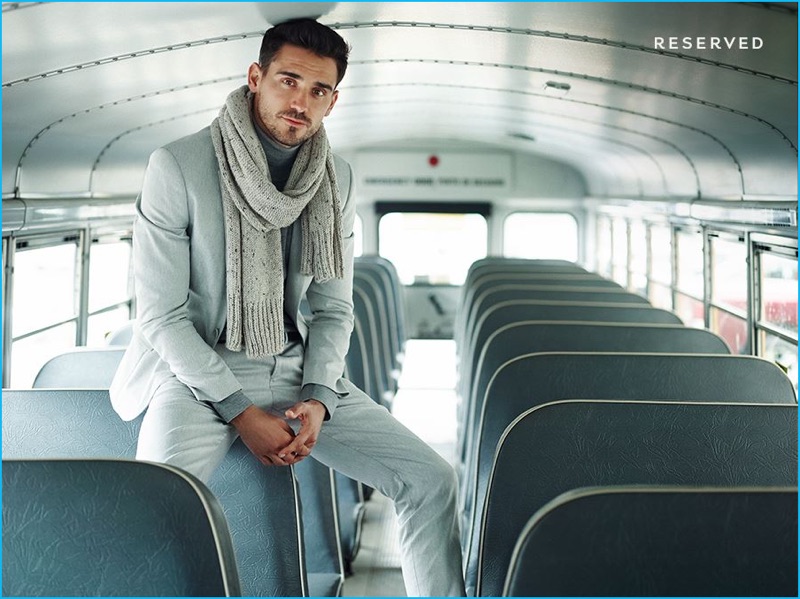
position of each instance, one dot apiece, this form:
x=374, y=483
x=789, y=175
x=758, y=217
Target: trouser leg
x=362, y=441
x=365, y=442
x=180, y=431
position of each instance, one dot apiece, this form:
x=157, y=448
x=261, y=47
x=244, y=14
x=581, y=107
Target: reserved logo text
x=708, y=43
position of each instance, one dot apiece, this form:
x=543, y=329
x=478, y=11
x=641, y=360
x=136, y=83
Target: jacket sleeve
x=162, y=267
x=331, y=305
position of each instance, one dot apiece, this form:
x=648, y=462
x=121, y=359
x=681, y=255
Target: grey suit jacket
x=179, y=271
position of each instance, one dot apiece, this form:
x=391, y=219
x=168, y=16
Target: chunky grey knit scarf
x=255, y=211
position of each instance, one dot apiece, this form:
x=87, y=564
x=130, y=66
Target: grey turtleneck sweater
x=280, y=160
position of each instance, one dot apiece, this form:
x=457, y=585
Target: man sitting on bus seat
x=235, y=225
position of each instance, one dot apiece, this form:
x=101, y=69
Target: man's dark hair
x=308, y=34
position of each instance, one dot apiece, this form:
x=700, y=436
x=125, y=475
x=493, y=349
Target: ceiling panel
x=90, y=89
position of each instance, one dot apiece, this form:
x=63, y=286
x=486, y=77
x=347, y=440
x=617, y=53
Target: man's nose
x=299, y=101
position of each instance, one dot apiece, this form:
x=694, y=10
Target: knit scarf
x=255, y=211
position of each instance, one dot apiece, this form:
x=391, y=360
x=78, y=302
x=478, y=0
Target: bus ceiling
x=633, y=100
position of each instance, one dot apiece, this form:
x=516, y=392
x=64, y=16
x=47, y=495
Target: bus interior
x=575, y=278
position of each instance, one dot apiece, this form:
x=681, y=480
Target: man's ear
x=334, y=97
x=253, y=76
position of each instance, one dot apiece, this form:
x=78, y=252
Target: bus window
x=778, y=285
x=546, y=235
x=603, y=252
x=432, y=248
x=728, y=309
x=638, y=257
x=659, y=290
x=30, y=353
x=777, y=309
x=110, y=290
x=619, y=255
x=689, y=284
x=105, y=322
x=109, y=274
x=780, y=351
x=45, y=304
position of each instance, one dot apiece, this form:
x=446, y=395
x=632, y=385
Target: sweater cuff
x=233, y=405
x=324, y=395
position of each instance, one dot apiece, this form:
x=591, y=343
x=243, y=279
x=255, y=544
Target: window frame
x=760, y=244
x=84, y=239
x=711, y=305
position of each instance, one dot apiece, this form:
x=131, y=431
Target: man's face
x=294, y=95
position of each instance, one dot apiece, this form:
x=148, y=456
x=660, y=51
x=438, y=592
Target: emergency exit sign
x=408, y=174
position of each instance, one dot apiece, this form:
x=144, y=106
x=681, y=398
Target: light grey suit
x=175, y=367
x=180, y=246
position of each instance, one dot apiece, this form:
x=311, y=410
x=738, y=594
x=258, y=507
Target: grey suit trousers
x=362, y=440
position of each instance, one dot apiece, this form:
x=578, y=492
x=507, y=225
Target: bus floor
x=426, y=403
